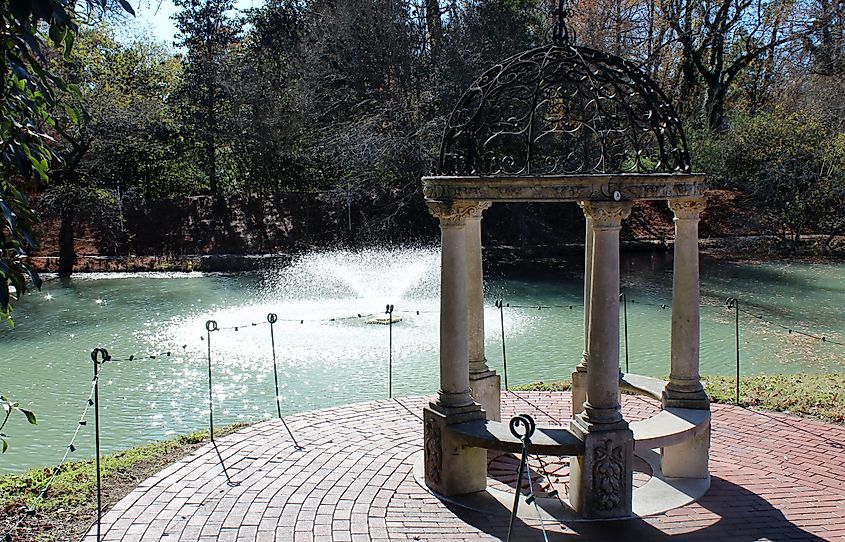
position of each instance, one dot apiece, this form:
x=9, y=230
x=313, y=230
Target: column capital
x=688, y=208
x=457, y=212
x=606, y=214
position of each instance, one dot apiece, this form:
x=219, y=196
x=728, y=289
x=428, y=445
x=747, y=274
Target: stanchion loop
x=272, y=318
x=523, y=427
x=97, y=352
x=211, y=325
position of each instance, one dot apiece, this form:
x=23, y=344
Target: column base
x=452, y=468
x=688, y=459
x=673, y=398
x=486, y=390
x=601, y=482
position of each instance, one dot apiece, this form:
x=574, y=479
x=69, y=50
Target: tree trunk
x=435, y=26
x=67, y=253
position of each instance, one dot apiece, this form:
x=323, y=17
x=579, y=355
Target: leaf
x=5, y=447
x=4, y=294
x=125, y=5
x=30, y=416
x=71, y=112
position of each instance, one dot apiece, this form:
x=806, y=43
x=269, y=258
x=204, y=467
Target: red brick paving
x=774, y=477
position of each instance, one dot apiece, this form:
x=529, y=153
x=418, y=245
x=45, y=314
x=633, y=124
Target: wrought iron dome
x=563, y=109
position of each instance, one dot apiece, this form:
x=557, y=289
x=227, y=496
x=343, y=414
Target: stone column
x=579, y=376
x=450, y=467
x=601, y=481
x=684, y=390
x=484, y=382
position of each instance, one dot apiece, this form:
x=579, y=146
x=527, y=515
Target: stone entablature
x=563, y=188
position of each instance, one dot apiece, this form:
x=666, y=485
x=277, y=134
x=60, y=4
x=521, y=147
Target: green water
x=46, y=359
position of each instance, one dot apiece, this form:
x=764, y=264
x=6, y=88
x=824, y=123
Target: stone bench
x=669, y=427
x=497, y=436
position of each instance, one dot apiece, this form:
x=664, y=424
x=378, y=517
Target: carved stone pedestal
x=601, y=481
x=452, y=468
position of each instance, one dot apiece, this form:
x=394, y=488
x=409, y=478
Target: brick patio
x=774, y=477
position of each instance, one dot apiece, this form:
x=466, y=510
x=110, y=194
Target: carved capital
x=687, y=208
x=457, y=212
x=606, y=214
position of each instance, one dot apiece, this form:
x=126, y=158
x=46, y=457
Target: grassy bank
x=819, y=396
x=70, y=506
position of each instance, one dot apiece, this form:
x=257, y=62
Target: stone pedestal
x=452, y=468
x=601, y=481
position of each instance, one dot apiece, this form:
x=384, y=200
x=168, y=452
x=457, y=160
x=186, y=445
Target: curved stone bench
x=669, y=427
x=642, y=385
x=497, y=436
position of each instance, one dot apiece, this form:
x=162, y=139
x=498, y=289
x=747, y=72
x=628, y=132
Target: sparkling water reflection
x=328, y=355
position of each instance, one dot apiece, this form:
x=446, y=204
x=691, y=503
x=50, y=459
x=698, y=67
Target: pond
x=328, y=355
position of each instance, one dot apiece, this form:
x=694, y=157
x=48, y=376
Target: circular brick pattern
x=774, y=477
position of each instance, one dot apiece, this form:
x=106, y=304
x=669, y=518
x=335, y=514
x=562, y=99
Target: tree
x=29, y=101
x=719, y=39
x=207, y=30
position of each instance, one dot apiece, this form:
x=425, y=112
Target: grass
x=70, y=506
x=819, y=396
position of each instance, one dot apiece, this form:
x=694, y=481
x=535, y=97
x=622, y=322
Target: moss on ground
x=819, y=396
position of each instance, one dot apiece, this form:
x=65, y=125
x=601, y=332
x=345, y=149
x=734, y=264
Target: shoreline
x=740, y=249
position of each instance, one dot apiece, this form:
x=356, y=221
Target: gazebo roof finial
x=563, y=35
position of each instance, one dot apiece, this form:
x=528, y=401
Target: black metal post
x=500, y=305
x=272, y=318
x=389, y=312
x=733, y=303
x=624, y=300
x=95, y=357
x=527, y=423
x=210, y=326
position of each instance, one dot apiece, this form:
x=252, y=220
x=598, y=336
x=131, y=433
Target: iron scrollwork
x=563, y=109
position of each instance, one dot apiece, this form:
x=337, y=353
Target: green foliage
x=792, y=161
x=30, y=97
x=10, y=406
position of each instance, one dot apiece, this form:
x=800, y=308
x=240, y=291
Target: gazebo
x=567, y=123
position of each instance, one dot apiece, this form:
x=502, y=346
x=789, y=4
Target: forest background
x=344, y=102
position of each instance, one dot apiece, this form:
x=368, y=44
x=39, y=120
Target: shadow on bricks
x=735, y=515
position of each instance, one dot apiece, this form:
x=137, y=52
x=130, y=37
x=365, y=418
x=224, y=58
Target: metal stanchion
x=98, y=360
x=210, y=326
x=389, y=311
x=733, y=303
x=624, y=299
x=500, y=306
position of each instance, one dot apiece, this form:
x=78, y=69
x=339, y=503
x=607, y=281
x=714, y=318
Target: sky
x=153, y=17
